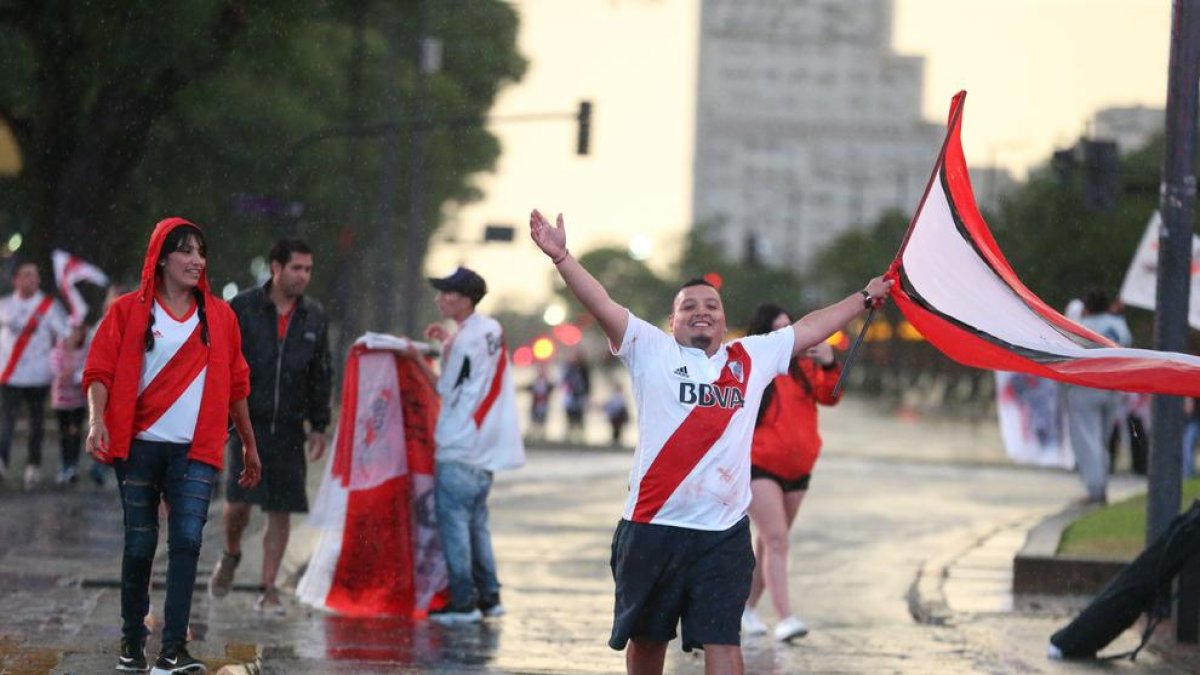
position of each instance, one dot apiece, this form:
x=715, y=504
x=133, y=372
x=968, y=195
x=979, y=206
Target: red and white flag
x=379, y=553
x=1141, y=281
x=68, y=271
x=956, y=287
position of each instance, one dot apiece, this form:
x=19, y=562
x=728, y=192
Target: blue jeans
x=460, y=493
x=154, y=472
x=1191, y=433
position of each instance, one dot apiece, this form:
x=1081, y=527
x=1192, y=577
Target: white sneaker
x=790, y=628
x=751, y=624
x=33, y=477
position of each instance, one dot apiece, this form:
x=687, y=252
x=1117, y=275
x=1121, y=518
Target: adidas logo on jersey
x=709, y=395
x=681, y=371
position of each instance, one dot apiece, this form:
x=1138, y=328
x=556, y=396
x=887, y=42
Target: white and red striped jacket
x=478, y=422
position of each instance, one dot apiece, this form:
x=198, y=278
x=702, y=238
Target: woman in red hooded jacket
x=785, y=449
x=163, y=376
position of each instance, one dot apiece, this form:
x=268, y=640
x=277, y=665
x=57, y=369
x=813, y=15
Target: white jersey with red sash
x=28, y=329
x=172, y=383
x=477, y=424
x=695, y=418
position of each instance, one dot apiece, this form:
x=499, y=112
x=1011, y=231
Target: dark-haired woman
x=785, y=449
x=163, y=377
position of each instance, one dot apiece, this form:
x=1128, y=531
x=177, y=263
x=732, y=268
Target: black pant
x=34, y=398
x=70, y=432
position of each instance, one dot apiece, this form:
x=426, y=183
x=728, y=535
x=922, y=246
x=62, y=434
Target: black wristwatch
x=867, y=300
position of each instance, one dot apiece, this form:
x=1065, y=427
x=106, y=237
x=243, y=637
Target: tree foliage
x=629, y=282
x=127, y=112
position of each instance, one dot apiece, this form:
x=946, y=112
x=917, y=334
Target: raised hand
x=552, y=239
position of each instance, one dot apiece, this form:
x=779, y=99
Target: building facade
x=807, y=125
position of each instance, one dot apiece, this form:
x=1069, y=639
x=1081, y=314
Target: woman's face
x=186, y=264
x=781, y=321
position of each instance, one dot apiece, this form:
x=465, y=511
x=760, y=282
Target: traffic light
x=1101, y=175
x=584, y=140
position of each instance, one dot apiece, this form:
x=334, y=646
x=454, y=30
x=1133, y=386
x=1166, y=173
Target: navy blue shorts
x=668, y=576
x=283, y=487
x=784, y=484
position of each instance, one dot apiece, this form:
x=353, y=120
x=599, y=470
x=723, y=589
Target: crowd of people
x=727, y=434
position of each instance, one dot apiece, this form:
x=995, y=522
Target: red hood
x=164, y=227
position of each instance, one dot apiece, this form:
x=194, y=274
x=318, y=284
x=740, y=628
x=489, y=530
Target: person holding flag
x=30, y=323
x=681, y=553
x=168, y=357
x=476, y=435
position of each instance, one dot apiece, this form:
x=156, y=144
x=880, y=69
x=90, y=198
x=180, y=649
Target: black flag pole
x=837, y=388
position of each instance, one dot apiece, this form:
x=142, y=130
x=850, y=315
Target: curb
x=1039, y=570
x=926, y=596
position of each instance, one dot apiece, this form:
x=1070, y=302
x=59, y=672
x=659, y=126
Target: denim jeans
x=153, y=472
x=1191, y=433
x=460, y=493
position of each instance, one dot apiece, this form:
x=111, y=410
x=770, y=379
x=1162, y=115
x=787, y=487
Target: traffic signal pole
x=1176, y=203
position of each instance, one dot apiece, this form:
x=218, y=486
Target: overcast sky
x=1035, y=71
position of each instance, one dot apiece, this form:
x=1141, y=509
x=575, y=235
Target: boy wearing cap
x=476, y=434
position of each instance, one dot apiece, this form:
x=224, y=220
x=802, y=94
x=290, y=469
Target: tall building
x=1131, y=128
x=807, y=124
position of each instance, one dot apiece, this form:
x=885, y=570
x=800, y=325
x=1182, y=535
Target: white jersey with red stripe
x=477, y=424
x=695, y=416
x=32, y=368
x=178, y=423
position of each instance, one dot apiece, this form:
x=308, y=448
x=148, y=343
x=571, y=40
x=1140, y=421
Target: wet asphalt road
x=874, y=520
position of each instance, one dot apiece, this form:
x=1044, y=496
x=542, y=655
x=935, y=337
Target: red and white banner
x=1141, y=281
x=68, y=271
x=956, y=287
x=379, y=553
x=1031, y=420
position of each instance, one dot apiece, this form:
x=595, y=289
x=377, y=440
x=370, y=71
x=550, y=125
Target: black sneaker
x=177, y=660
x=450, y=614
x=133, y=656
x=490, y=607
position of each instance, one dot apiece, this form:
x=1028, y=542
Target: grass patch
x=1117, y=531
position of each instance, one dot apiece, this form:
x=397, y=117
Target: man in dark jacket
x=285, y=341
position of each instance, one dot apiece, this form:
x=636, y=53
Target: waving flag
x=68, y=271
x=1139, y=287
x=956, y=287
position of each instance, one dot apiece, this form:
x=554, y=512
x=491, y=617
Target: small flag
x=68, y=271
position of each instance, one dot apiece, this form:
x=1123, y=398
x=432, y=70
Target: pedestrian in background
x=681, y=554
x=30, y=323
x=1091, y=413
x=285, y=339
x=785, y=450
x=66, y=398
x=539, y=402
x=163, y=377
x=616, y=410
x=477, y=434
x=577, y=389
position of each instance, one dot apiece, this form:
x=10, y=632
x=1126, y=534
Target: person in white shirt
x=1092, y=413
x=681, y=552
x=30, y=323
x=477, y=434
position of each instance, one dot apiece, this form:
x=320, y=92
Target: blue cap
x=463, y=281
